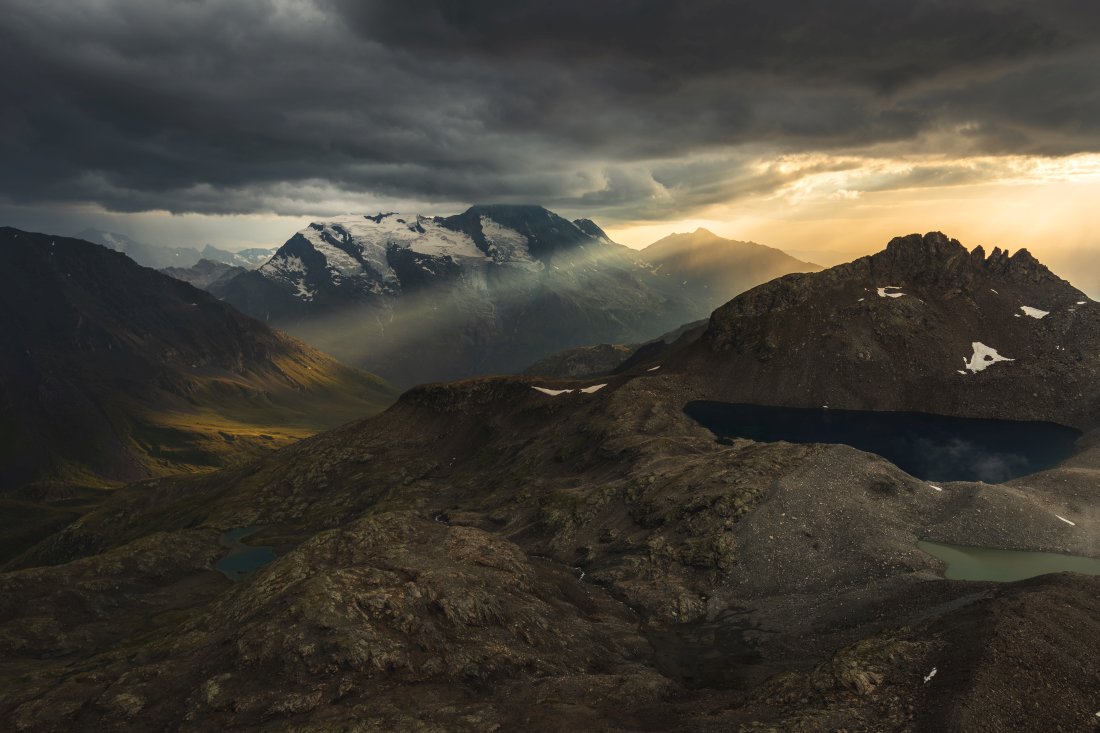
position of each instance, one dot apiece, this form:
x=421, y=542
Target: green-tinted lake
x=983, y=563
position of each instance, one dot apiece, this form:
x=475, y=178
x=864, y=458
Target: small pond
x=930, y=447
x=982, y=563
x=242, y=559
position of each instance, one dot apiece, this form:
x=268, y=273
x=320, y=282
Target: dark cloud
x=622, y=109
x=884, y=42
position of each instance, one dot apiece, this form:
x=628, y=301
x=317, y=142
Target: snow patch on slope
x=556, y=392
x=303, y=291
x=505, y=244
x=1034, y=312
x=984, y=357
x=356, y=248
x=552, y=392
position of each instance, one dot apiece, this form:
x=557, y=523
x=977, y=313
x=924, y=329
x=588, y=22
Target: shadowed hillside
x=114, y=372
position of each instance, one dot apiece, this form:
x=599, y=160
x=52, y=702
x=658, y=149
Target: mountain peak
x=591, y=228
x=935, y=257
x=901, y=329
x=545, y=232
x=511, y=210
x=938, y=246
x=935, y=244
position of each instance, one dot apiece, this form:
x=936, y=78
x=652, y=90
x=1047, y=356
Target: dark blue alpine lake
x=930, y=447
x=242, y=560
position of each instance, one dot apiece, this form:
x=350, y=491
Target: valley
x=543, y=553
x=114, y=373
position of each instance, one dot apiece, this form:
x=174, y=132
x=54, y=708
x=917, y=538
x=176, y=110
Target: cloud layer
x=622, y=110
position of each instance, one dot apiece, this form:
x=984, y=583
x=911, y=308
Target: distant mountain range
x=489, y=291
x=715, y=268
x=711, y=268
x=182, y=257
x=114, y=372
x=209, y=275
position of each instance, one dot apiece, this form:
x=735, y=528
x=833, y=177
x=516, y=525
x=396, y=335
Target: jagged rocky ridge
x=923, y=325
x=488, y=556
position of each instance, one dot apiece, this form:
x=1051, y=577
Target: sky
x=823, y=127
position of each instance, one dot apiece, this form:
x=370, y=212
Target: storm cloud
x=627, y=110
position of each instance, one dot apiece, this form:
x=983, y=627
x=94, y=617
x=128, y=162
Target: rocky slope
x=924, y=325
x=717, y=269
x=488, y=556
x=592, y=361
x=582, y=361
x=115, y=372
x=525, y=553
x=490, y=290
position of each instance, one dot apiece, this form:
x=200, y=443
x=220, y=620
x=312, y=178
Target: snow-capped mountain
x=486, y=291
x=391, y=253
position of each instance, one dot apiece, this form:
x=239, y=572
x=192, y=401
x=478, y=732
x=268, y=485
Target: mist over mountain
x=160, y=258
x=248, y=258
x=717, y=268
x=144, y=254
x=209, y=275
x=490, y=290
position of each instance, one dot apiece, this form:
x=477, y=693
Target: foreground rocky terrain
x=533, y=554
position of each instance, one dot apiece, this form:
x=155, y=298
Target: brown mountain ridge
x=114, y=372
